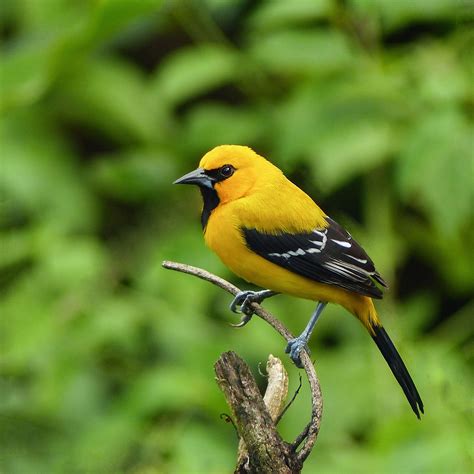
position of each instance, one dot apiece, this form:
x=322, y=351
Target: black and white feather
x=328, y=255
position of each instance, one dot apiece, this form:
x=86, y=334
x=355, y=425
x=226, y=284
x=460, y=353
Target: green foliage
x=106, y=358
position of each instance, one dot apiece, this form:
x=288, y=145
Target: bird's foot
x=244, y=299
x=294, y=348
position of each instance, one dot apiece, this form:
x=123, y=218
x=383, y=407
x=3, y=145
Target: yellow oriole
x=272, y=234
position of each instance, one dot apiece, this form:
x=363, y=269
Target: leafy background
x=106, y=358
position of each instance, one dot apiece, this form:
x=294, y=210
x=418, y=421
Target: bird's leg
x=295, y=346
x=244, y=299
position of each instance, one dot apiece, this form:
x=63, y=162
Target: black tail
x=398, y=368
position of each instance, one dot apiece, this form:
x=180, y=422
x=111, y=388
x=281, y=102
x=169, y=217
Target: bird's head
x=230, y=172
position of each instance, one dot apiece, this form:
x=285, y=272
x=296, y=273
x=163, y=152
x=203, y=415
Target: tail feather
x=398, y=368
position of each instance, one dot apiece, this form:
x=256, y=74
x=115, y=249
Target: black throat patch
x=211, y=201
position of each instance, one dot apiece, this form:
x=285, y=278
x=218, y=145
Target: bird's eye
x=226, y=171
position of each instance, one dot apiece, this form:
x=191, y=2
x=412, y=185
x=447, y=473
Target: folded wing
x=329, y=255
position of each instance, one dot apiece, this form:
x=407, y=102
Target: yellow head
x=237, y=170
x=230, y=172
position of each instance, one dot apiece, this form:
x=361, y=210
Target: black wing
x=328, y=255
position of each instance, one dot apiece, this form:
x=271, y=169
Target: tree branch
x=311, y=431
x=274, y=399
x=267, y=452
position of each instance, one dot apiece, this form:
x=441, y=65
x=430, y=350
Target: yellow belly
x=226, y=240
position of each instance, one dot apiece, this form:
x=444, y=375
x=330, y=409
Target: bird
x=269, y=232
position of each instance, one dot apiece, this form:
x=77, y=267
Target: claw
x=294, y=348
x=244, y=299
x=238, y=301
x=243, y=321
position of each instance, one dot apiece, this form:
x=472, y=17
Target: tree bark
x=267, y=452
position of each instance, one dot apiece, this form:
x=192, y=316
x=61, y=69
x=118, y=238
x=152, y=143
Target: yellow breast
x=223, y=235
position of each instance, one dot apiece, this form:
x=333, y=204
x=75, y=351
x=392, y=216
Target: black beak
x=198, y=176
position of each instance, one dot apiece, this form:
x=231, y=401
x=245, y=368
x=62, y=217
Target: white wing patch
x=294, y=253
x=320, y=243
x=342, y=243
x=280, y=255
x=360, y=260
x=290, y=253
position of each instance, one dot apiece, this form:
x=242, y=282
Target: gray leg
x=244, y=299
x=295, y=346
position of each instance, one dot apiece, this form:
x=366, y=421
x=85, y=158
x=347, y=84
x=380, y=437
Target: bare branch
x=311, y=431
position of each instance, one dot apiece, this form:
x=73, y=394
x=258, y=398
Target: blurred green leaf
x=192, y=455
x=209, y=125
x=134, y=175
x=279, y=13
x=91, y=94
x=52, y=16
x=433, y=171
x=112, y=16
x=450, y=255
x=365, y=144
x=439, y=74
x=73, y=263
x=24, y=75
x=301, y=52
x=193, y=71
x=403, y=12
x=33, y=155
x=345, y=130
